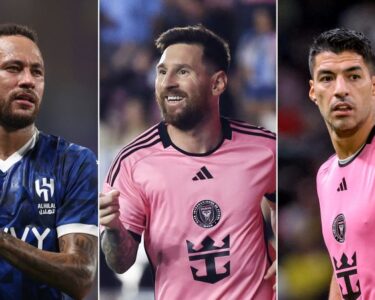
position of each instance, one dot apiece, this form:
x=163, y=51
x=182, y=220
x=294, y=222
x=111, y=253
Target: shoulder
x=326, y=167
x=248, y=134
x=245, y=129
x=61, y=148
x=144, y=145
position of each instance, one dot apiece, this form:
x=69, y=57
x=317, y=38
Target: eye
x=326, y=78
x=161, y=72
x=13, y=68
x=37, y=72
x=354, y=76
x=183, y=72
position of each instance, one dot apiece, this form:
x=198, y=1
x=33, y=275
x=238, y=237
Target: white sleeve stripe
x=77, y=228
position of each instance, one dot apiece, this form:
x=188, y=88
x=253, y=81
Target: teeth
x=174, y=98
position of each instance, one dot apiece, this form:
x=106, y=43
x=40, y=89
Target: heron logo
x=45, y=188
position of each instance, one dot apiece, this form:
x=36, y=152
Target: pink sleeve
x=132, y=206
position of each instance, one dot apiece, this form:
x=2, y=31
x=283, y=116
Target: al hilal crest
x=45, y=189
x=206, y=213
x=339, y=228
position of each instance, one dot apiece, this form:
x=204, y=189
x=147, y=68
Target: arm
x=119, y=247
x=272, y=213
x=72, y=270
x=334, y=291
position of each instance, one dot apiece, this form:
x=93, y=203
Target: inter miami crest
x=339, y=228
x=206, y=213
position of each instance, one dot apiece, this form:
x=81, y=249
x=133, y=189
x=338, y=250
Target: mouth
x=25, y=100
x=342, y=109
x=173, y=99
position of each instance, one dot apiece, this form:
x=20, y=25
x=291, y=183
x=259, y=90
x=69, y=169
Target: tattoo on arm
x=120, y=249
x=71, y=270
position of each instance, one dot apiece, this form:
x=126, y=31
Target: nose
x=341, y=87
x=169, y=81
x=27, y=80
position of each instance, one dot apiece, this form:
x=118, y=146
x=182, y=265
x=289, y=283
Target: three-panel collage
x=187, y=150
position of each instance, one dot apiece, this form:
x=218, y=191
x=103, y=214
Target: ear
x=373, y=84
x=312, y=92
x=219, y=83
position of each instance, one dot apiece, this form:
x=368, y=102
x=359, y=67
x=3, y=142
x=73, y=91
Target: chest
x=29, y=199
x=347, y=199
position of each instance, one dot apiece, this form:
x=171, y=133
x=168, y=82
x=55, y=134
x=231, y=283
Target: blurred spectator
x=256, y=63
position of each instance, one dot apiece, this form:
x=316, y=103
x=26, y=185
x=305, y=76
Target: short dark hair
x=215, y=49
x=339, y=40
x=17, y=29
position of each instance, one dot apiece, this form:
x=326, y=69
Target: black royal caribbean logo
x=339, y=228
x=206, y=213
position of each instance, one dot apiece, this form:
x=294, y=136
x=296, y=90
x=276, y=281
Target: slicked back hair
x=215, y=49
x=339, y=40
x=17, y=29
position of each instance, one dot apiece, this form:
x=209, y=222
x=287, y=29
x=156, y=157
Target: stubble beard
x=13, y=120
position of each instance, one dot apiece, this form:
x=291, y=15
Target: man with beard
x=343, y=87
x=48, y=187
x=193, y=183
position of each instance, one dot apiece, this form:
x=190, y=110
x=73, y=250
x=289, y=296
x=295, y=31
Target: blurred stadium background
x=304, y=266
x=68, y=39
x=127, y=65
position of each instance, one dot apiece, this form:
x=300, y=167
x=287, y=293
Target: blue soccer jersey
x=46, y=192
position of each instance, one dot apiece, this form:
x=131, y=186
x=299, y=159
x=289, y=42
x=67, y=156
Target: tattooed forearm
x=71, y=270
x=120, y=249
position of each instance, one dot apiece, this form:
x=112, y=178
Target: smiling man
x=193, y=184
x=48, y=187
x=343, y=87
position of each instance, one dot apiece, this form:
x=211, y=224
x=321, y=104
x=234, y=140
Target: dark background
x=67, y=32
x=304, y=267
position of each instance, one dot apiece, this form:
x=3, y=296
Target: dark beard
x=14, y=121
x=189, y=118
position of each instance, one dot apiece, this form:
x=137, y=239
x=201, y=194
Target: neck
x=12, y=140
x=201, y=139
x=346, y=146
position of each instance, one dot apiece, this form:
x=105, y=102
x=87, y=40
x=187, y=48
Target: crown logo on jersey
x=203, y=174
x=342, y=186
x=208, y=245
x=208, y=252
x=344, y=262
x=45, y=189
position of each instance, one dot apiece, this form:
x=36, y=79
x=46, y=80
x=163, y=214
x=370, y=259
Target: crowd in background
x=127, y=72
x=304, y=144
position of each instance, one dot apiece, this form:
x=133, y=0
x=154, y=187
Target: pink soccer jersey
x=347, y=203
x=200, y=213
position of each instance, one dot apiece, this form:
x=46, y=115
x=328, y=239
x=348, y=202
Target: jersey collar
x=166, y=140
x=5, y=165
x=347, y=161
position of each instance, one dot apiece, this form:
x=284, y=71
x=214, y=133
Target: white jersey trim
x=77, y=228
x=5, y=165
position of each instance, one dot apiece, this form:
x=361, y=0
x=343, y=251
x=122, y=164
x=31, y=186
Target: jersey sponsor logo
x=45, y=189
x=339, y=228
x=346, y=271
x=208, y=252
x=342, y=186
x=206, y=213
x=203, y=174
x=39, y=236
